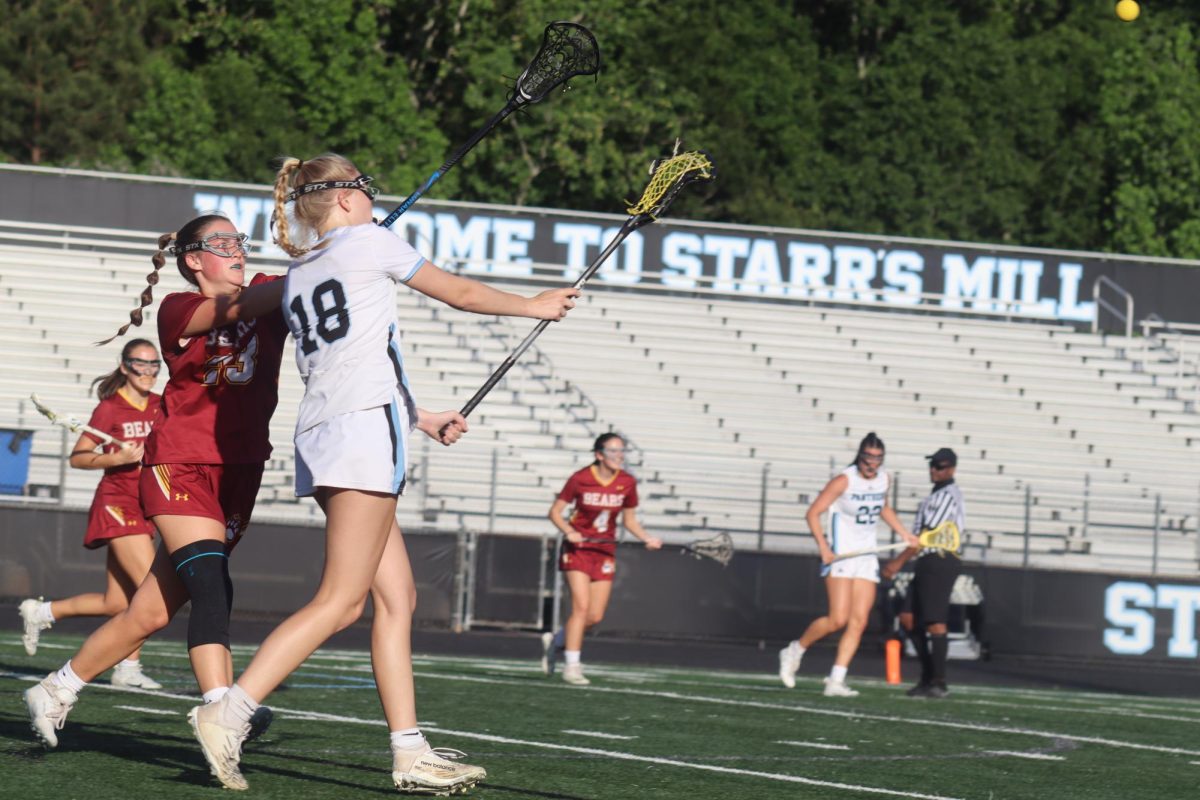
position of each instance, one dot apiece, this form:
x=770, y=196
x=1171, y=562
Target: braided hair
x=308, y=210
x=190, y=233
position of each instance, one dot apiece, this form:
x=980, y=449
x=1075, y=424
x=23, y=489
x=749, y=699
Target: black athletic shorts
x=931, y=586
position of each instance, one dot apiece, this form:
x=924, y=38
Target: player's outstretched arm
x=250, y=303
x=446, y=427
x=471, y=295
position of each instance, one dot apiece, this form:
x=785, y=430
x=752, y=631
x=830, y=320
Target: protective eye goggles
x=362, y=183
x=142, y=366
x=222, y=244
x=869, y=458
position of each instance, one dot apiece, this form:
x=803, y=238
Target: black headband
x=362, y=182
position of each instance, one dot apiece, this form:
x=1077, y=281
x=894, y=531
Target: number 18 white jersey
x=855, y=513
x=340, y=304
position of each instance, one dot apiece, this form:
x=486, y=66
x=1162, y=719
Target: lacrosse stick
x=719, y=548
x=568, y=50
x=943, y=537
x=668, y=176
x=74, y=425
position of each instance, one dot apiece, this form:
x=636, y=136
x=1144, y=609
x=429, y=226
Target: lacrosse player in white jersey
x=356, y=413
x=857, y=498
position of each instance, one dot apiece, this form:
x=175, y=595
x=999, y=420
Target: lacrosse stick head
x=568, y=50
x=42, y=409
x=667, y=177
x=719, y=548
x=944, y=536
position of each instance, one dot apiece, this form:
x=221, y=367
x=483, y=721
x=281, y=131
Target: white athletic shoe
x=838, y=689
x=48, y=705
x=547, y=653
x=433, y=771
x=789, y=665
x=222, y=746
x=573, y=674
x=132, y=676
x=34, y=624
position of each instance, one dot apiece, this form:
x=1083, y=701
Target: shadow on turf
x=169, y=751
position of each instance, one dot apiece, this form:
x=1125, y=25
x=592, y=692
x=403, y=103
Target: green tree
x=250, y=81
x=68, y=71
x=1150, y=110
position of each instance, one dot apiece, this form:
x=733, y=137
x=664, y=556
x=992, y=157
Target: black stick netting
x=567, y=50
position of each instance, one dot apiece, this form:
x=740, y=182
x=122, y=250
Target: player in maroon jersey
x=598, y=493
x=204, y=461
x=127, y=411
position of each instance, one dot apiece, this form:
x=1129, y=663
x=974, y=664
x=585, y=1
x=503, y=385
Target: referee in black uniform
x=935, y=574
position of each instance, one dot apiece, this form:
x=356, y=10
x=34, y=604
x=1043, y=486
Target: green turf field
x=636, y=732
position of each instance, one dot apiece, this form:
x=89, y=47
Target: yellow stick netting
x=665, y=176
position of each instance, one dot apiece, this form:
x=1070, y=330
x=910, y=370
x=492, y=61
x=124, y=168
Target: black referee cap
x=944, y=457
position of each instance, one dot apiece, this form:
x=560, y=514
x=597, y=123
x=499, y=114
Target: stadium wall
x=807, y=266
x=759, y=597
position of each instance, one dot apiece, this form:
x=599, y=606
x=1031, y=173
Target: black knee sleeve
x=203, y=567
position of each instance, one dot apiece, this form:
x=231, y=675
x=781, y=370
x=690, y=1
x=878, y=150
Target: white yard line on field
x=1020, y=754
x=598, y=734
x=160, y=711
x=809, y=709
x=818, y=745
x=612, y=754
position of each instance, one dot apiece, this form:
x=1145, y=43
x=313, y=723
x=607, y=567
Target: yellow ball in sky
x=1128, y=10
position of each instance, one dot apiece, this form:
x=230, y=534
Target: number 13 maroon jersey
x=223, y=388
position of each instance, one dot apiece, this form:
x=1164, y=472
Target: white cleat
x=573, y=674
x=434, y=772
x=789, y=665
x=48, y=705
x=133, y=677
x=33, y=624
x=222, y=746
x=838, y=689
x=547, y=653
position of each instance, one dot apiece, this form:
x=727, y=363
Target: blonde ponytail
x=279, y=220
x=308, y=210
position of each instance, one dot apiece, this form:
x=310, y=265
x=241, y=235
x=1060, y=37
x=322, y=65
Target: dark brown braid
x=188, y=234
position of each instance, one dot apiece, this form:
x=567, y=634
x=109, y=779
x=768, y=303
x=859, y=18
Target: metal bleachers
x=1076, y=450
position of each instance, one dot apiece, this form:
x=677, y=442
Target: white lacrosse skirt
x=863, y=567
x=364, y=450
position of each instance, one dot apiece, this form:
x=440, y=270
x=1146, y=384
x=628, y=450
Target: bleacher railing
x=1017, y=527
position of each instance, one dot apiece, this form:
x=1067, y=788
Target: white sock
x=408, y=739
x=45, y=613
x=131, y=663
x=559, y=641
x=213, y=695
x=237, y=707
x=67, y=678
x=571, y=656
x=797, y=648
x=838, y=674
